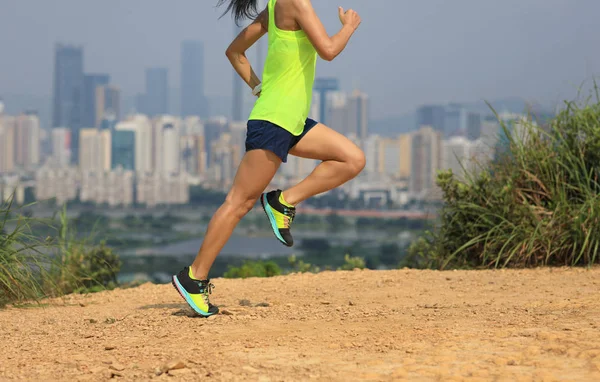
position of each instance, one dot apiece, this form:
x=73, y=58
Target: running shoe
x=195, y=292
x=280, y=216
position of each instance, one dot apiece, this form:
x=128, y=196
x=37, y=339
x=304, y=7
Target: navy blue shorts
x=268, y=136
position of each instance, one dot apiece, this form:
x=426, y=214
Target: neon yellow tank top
x=288, y=78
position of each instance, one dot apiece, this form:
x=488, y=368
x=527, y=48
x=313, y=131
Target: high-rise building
x=141, y=127
x=61, y=146
x=171, y=149
x=358, y=115
x=337, y=111
x=68, y=91
x=7, y=144
x=457, y=155
x=473, y=126
x=433, y=116
x=322, y=86
x=123, y=149
x=165, y=144
x=90, y=83
x=95, y=153
x=193, y=99
x=237, y=95
x=213, y=129
x=108, y=104
x=426, y=152
x=156, y=100
x=27, y=140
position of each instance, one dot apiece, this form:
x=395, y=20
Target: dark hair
x=240, y=9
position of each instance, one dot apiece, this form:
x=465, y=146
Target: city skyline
x=539, y=59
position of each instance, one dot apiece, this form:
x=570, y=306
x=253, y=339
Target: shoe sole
x=185, y=297
x=272, y=221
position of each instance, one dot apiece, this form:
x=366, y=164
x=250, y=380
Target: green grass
x=536, y=205
x=32, y=268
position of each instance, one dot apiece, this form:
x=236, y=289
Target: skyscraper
x=107, y=106
x=61, y=146
x=155, y=101
x=193, y=100
x=68, y=91
x=95, y=153
x=123, y=149
x=7, y=143
x=27, y=140
x=90, y=83
x=238, y=89
x=358, y=115
x=426, y=152
x=323, y=86
x=431, y=115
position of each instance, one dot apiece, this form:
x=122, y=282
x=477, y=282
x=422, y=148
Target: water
x=242, y=246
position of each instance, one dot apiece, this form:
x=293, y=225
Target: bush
x=302, y=267
x=32, y=268
x=253, y=269
x=536, y=205
x=351, y=263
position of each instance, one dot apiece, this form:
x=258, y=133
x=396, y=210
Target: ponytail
x=240, y=9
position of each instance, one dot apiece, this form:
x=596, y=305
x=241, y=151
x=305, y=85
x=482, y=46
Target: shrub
x=302, y=267
x=537, y=204
x=253, y=269
x=351, y=263
x=32, y=268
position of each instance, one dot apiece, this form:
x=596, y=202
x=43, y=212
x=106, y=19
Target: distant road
x=368, y=213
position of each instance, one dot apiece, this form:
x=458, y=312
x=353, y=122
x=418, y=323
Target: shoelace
x=290, y=213
x=206, y=287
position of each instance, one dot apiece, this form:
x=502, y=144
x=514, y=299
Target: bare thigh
x=324, y=143
x=254, y=174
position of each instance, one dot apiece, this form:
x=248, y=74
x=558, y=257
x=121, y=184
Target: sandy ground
x=530, y=325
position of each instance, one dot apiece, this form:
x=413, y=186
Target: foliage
x=351, y=263
x=537, y=204
x=253, y=269
x=32, y=268
x=302, y=267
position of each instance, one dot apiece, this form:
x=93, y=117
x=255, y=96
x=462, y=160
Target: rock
x=109, y=347
x=176, y=372
x=117, y=367
x=173, y=365
x=158, y=371
x=263, y=305
x=351, y=303
x=245, y=303
x=325, y=302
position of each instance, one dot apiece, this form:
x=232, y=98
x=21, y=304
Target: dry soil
x=524, y=325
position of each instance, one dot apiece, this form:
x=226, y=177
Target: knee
x=356, y=161
x=239, y=206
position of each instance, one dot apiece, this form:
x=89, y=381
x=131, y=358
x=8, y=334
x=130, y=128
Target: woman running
x=277, y=125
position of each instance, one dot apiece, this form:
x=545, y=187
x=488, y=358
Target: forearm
x=340, y=40
x=242, y=66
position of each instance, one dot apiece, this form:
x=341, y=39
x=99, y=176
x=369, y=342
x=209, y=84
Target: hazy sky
x=404, y=54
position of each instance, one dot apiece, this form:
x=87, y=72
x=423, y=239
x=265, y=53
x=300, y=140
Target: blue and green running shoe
x=280, y=216
x=195, y=292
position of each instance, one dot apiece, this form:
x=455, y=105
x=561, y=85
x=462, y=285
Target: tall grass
x=32, y=267
x=537, y=204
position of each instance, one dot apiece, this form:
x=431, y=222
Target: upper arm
x=249, y=35
x=310, y=23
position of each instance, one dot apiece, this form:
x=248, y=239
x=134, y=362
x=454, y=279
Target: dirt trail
x=530, y=325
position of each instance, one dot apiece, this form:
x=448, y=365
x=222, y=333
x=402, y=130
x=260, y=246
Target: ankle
x=197, y=273
x=287, y=200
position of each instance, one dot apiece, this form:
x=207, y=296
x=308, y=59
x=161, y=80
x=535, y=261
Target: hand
x=349, y=17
